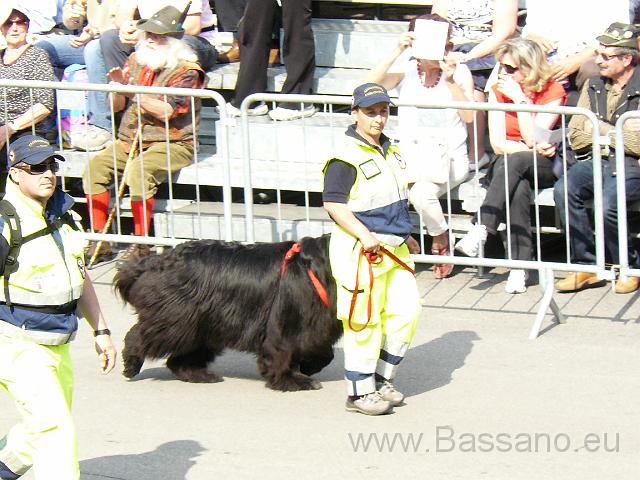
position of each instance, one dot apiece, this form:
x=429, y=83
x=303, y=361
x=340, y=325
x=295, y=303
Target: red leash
x=320, y=290
x=372, y=259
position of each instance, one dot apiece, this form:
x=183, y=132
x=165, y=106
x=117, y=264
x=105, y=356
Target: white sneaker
x=260, y=109
x=389, y=393
x=470, y=243
x=92, y=139
x=282, y=114
x=370, y=404
x=516, y=283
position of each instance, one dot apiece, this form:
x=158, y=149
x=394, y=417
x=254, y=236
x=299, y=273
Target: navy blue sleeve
x=339, y=177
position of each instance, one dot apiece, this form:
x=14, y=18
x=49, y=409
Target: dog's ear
x=314, y=253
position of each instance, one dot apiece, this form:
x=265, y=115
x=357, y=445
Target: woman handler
x=378, y=301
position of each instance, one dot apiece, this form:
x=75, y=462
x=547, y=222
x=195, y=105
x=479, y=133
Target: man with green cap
x=615, y=91
x=161, y=59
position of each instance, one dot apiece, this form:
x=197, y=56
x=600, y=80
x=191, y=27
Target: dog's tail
x=129, y=273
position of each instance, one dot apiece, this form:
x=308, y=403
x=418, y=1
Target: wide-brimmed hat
x=31, y=149
x=166, y=21
x=620, y=35
x=6, y=7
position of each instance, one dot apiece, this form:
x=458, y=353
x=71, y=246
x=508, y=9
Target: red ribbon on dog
x=372, y=259
x=320, y=290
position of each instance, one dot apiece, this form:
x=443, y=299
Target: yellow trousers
x=375, y=350
x=39, y=378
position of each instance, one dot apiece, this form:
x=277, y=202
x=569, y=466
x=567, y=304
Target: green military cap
x=166, y=21
x=620, y=35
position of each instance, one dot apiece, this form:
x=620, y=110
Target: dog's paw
x=197, y=376
x=294, y=383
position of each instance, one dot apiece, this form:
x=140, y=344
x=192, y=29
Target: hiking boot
x=134, y=253
x=105, y=252
x=577, y=281
x=516, y=283
x=389, y=393
x=628, y=285
x=471, y=242
x=369, y=404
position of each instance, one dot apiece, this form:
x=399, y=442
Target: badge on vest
x=369, y=169
x=81, y=267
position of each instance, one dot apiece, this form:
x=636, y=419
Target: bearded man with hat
x=44, y=284
x=161, y=59
x=615, y=91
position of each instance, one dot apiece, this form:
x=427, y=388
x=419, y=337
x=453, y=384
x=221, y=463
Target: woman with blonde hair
x=525, y=78
x=433, y=141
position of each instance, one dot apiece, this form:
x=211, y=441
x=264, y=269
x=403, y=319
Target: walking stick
x=112, y=213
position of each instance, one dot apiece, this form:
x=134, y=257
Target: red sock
x=98, y=205
x=139, y=210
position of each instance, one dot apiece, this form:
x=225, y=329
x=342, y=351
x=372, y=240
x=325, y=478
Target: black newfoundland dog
x=276, y=300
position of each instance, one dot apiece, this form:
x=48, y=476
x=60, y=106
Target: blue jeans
x=62, y=55
x=580, y=189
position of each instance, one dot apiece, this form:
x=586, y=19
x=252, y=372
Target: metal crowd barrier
x=173, y=238
x=546, y=269
x=307, y=150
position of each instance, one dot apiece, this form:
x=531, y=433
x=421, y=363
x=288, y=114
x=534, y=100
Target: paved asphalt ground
x=483, y=401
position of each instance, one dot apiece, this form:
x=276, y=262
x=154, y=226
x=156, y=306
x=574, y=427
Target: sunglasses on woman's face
x=40, y=168
x=20, y=22
x=509, y=69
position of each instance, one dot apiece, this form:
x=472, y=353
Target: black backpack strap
x=9, y=215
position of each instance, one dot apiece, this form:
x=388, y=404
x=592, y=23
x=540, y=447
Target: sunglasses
x=607, y=56
x=19, y=23
x=40, y=168
x=509, y=69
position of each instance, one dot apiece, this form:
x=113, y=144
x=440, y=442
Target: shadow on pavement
x=169, y=460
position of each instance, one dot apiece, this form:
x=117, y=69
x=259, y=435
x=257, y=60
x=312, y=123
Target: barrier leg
x=546, y=283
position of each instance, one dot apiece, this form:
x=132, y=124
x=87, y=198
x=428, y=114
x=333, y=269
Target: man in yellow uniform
x=378, y=301
x=43, y=285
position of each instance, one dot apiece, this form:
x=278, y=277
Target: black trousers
x=229, y=13
x=254, y=38
x=520, y=181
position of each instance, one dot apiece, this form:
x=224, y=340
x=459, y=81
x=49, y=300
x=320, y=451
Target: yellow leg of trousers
x=39, y=378
x=381, y=346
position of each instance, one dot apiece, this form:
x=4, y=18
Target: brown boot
x=105, y=253
x=577, y=281
x=231, y=55
x=629, y=285
x=274, y=56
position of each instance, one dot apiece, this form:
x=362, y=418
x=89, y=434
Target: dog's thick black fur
x=204, y=296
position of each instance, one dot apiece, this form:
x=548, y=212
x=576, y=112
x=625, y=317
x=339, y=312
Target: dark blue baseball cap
x=369, y=94
x=31, y=149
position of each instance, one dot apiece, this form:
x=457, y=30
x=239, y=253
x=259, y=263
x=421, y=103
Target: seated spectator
x=21, y=61
x=432, y=142
x=480, y=26
x=571, y=51
x=524, y=79
x=161, y=59
x=608, y=95
x=199, y=27
x=84, y=49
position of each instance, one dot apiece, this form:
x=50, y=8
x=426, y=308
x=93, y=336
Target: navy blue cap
x=31, y=149
x=369, y=94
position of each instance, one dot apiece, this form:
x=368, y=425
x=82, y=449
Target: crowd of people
x=369, y=182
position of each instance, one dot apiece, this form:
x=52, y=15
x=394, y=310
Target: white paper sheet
x=431, y=39
x=544, y=135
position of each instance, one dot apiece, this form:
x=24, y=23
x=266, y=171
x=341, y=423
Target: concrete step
x=353, y=43
x=327, y=81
